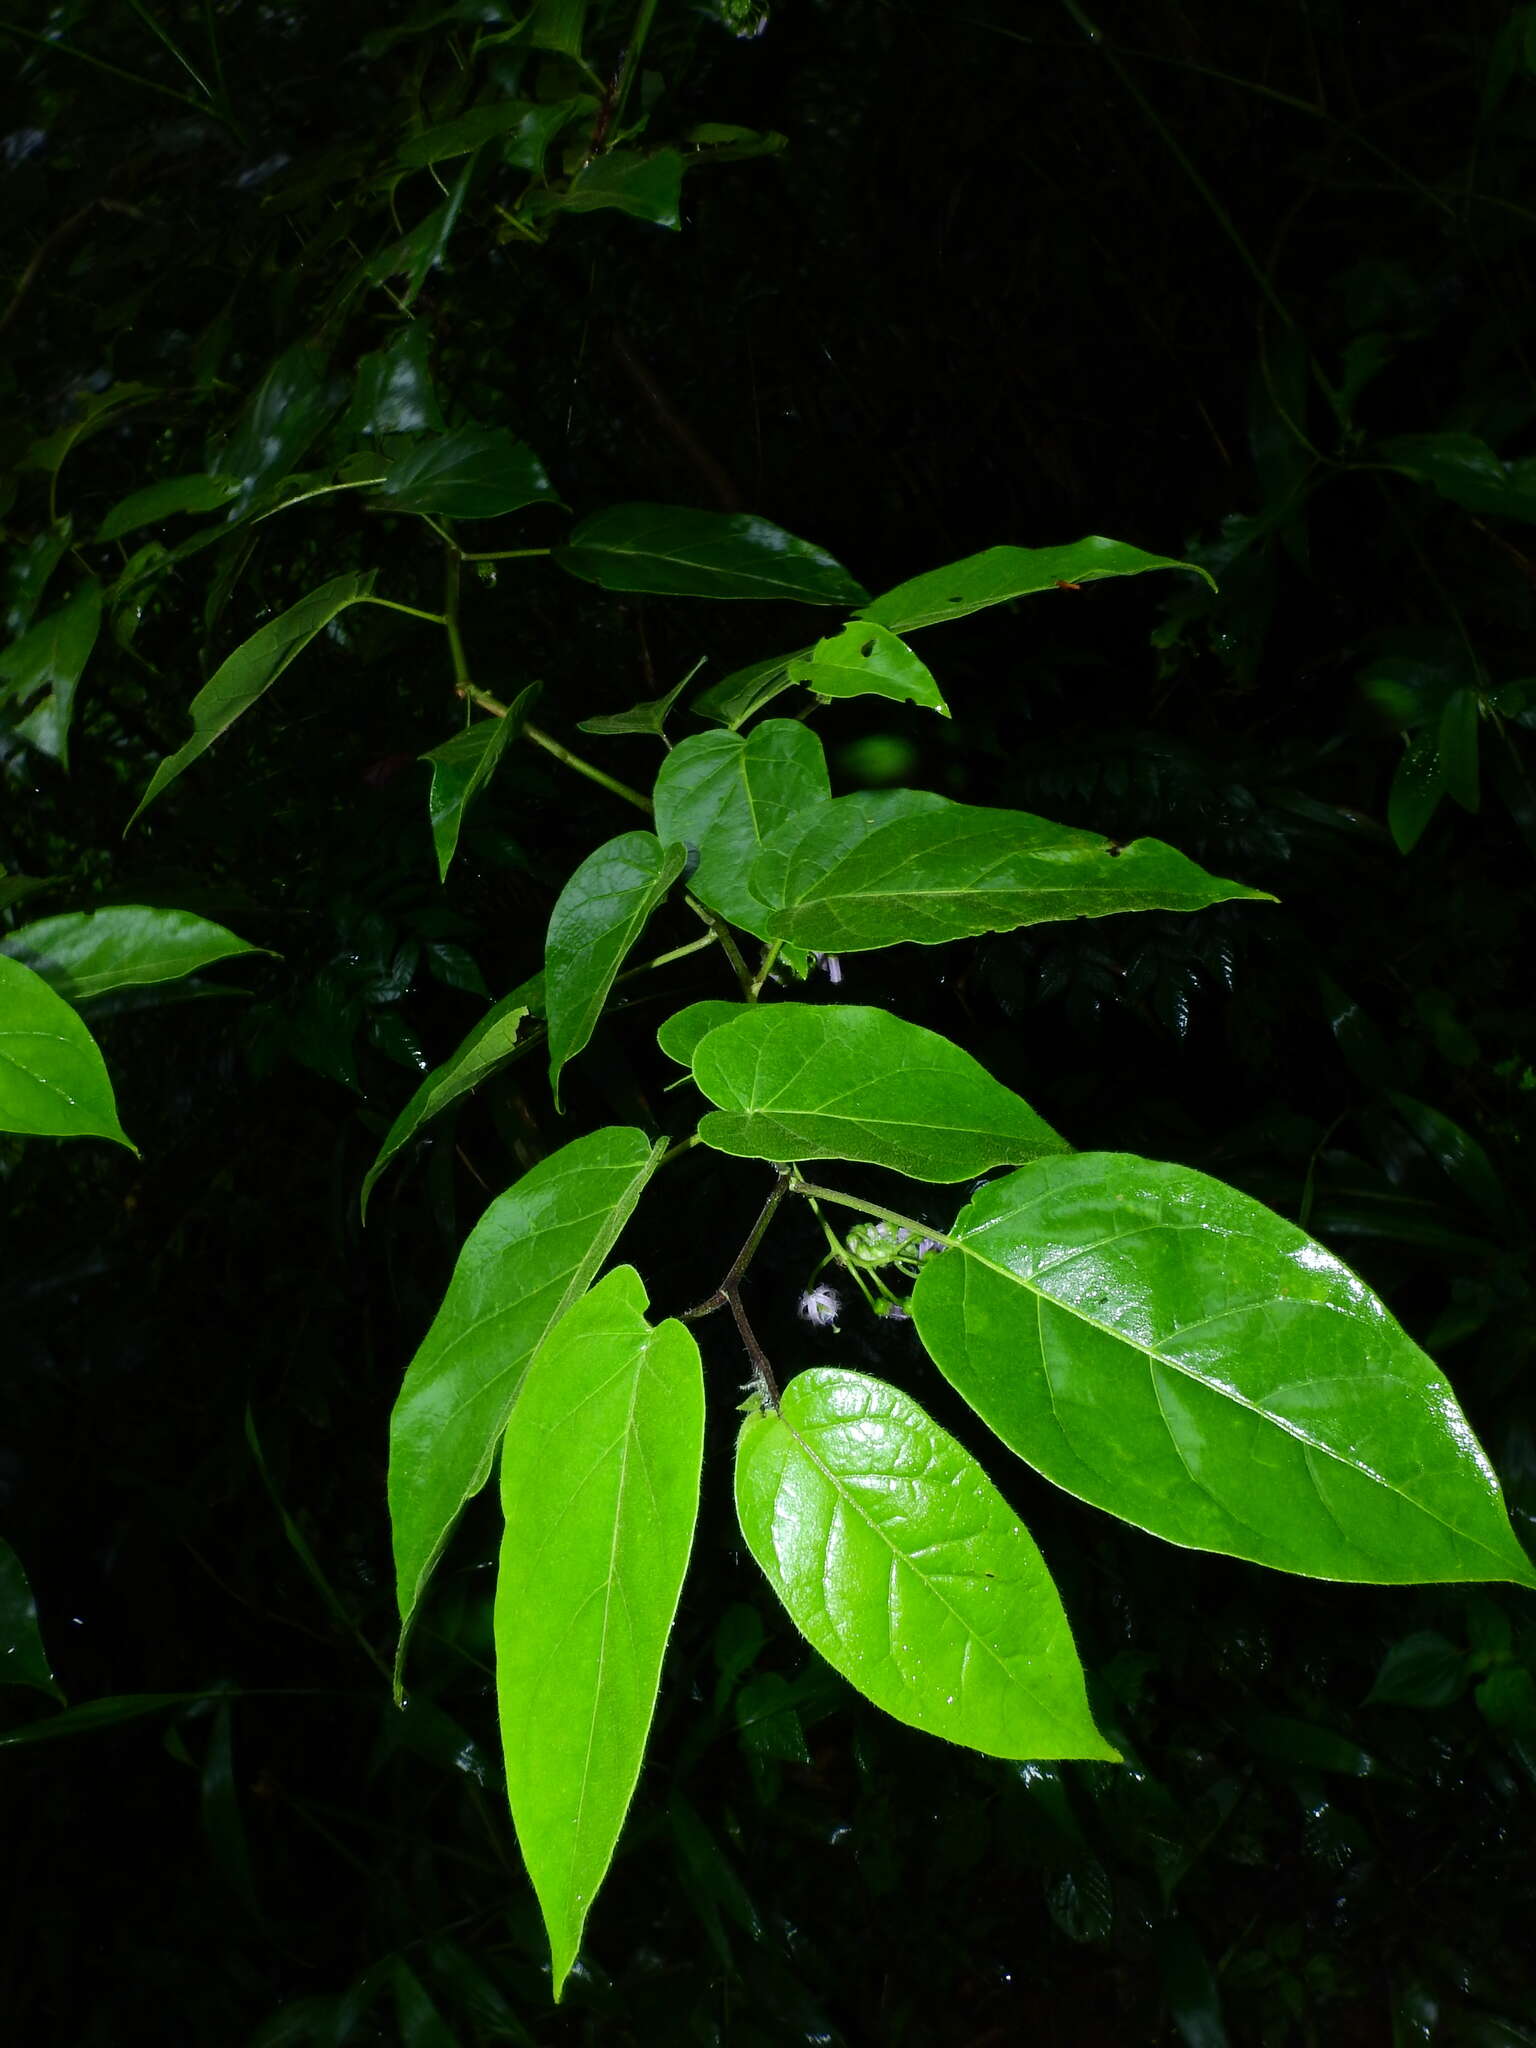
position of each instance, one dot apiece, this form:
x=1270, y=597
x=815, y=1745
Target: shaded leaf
x=867, y=660
x=902, y=1564
x=734, y=699
x=470, y=473
x=647, y=187
x=163, y=500
x=675, y=551
x=1423, y=1670
x=86, y=953
x=600, y=1487
x=999, y=574
x=879, y=868
x=53, y=1081
x=1418, y=784
x=1466, y=470
x=793, y=1082
x=251, y=670
x=725, y=794
x=485, y=1051
x=23, y=1659
x=1175, y=1353
x=649, y=717
x=279, y=423
x=392, y=392
x=600, y=913
x=43, y=669
x=536, y=1249
x=462, y=766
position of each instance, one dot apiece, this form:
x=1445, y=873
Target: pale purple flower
x=820, y=1306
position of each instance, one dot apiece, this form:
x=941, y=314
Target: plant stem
x=728, y=1293
x=411, y=610
x=501, y=554
x=771, y=953
x=550, y=745
x=645, y=14
x=722, y=931
x=919, y=1229
x=461, y=680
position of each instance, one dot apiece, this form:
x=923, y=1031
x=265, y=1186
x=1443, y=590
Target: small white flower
x=820, y=1306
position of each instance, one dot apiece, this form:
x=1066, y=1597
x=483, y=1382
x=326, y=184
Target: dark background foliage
x=1186, y=282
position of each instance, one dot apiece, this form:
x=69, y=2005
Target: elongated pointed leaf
x=1467, y=471
x=492, y=1044
x=679, y=1037
x=53, y=1081
x=600, y=1487
x=1169, y=1349
x=462, y=766
x=736, y=697
x=536, y=1249
x=795, y=1082
x=88, y=953
x=904, y=1566
x=40, y=672
x=470, y=473
x=23, y=1660
x=999, y=574
x=867, y=660
x=675, y=551
x=875, y=869
x=174, y=494
x=647, y=187
x=251, y=670
x=601, y=912
x=726, y=793
x=647, y=717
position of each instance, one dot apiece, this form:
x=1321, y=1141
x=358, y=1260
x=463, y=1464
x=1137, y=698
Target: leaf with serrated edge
x=900, y=1562
x=792, y=1081
x=867, y=660
x=536, y=1249
x=902, y=865
x=88, y=953
x=53, y=1080
x=600, y=913
x=485, y=1051
x=997, y=575
x=726, y=793
x=600, y=1488
x=1172, y=1351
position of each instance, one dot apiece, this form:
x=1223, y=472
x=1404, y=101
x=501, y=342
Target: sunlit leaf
x=600, y=913
x=725, y=793
x=867, y=660
x=679, y=1037
x=904, y=1566
x=1172, y=1351
x=53, y=1081
x=600, y=1488
x=999, y=574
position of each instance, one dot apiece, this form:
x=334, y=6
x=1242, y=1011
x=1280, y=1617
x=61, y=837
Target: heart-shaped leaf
x=726, y=793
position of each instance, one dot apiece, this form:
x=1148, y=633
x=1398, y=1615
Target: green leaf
x=536, y=1249
x=163, y=500
x=53, y=1081
x=468, y=131
x=999, y=574
x=601, y=912
x=279, y=423
x=25, y=576
x=23, y=1660
x=1418, y=784
x=648, y=187
x=1423, y=1670
x=794, y=1082
x=93, y=1715
x=1466, y=470
x=89, y=952
x=726, y=794
x=251, y=670
x=649, y=717
x=600, y=1487
x=462, y=766
x=558, y=25
x=679, y=1037
x=529, y=142
x=734, y=699
x=392, y=392
x=1168, y=1349
x=50, y=657
x=1458, y=747
x=486, y=1050
x=674, y=551
x=904, y=1566
x=876, y=869
x=471, y=473
x=867, y=660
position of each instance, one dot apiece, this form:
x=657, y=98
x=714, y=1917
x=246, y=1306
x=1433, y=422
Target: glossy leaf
x=462, y=766
x=279, y=423
x=88, y=953
x=726, y=794
x=647, y=187
x=875, y=869
x=998, y=575
x=53, y=1081
x=248, y=673
x=795, y=1082
x=392, y=392
x=1466, y=470
x=1418, y=783
x=485, y=1051
x=470, y=473
x=40, y=672
x=164, y=500
x=600, y=913
x=24, y=577
x=530, y=141
x=536, y=1249
x=867, y=660
x=600, y=1488
x=679, y=1037
x=23, y=1660
x=904, y=1566
x=675, y=551
x=467, y=131
x=736, y=697
x=1172, y=1351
